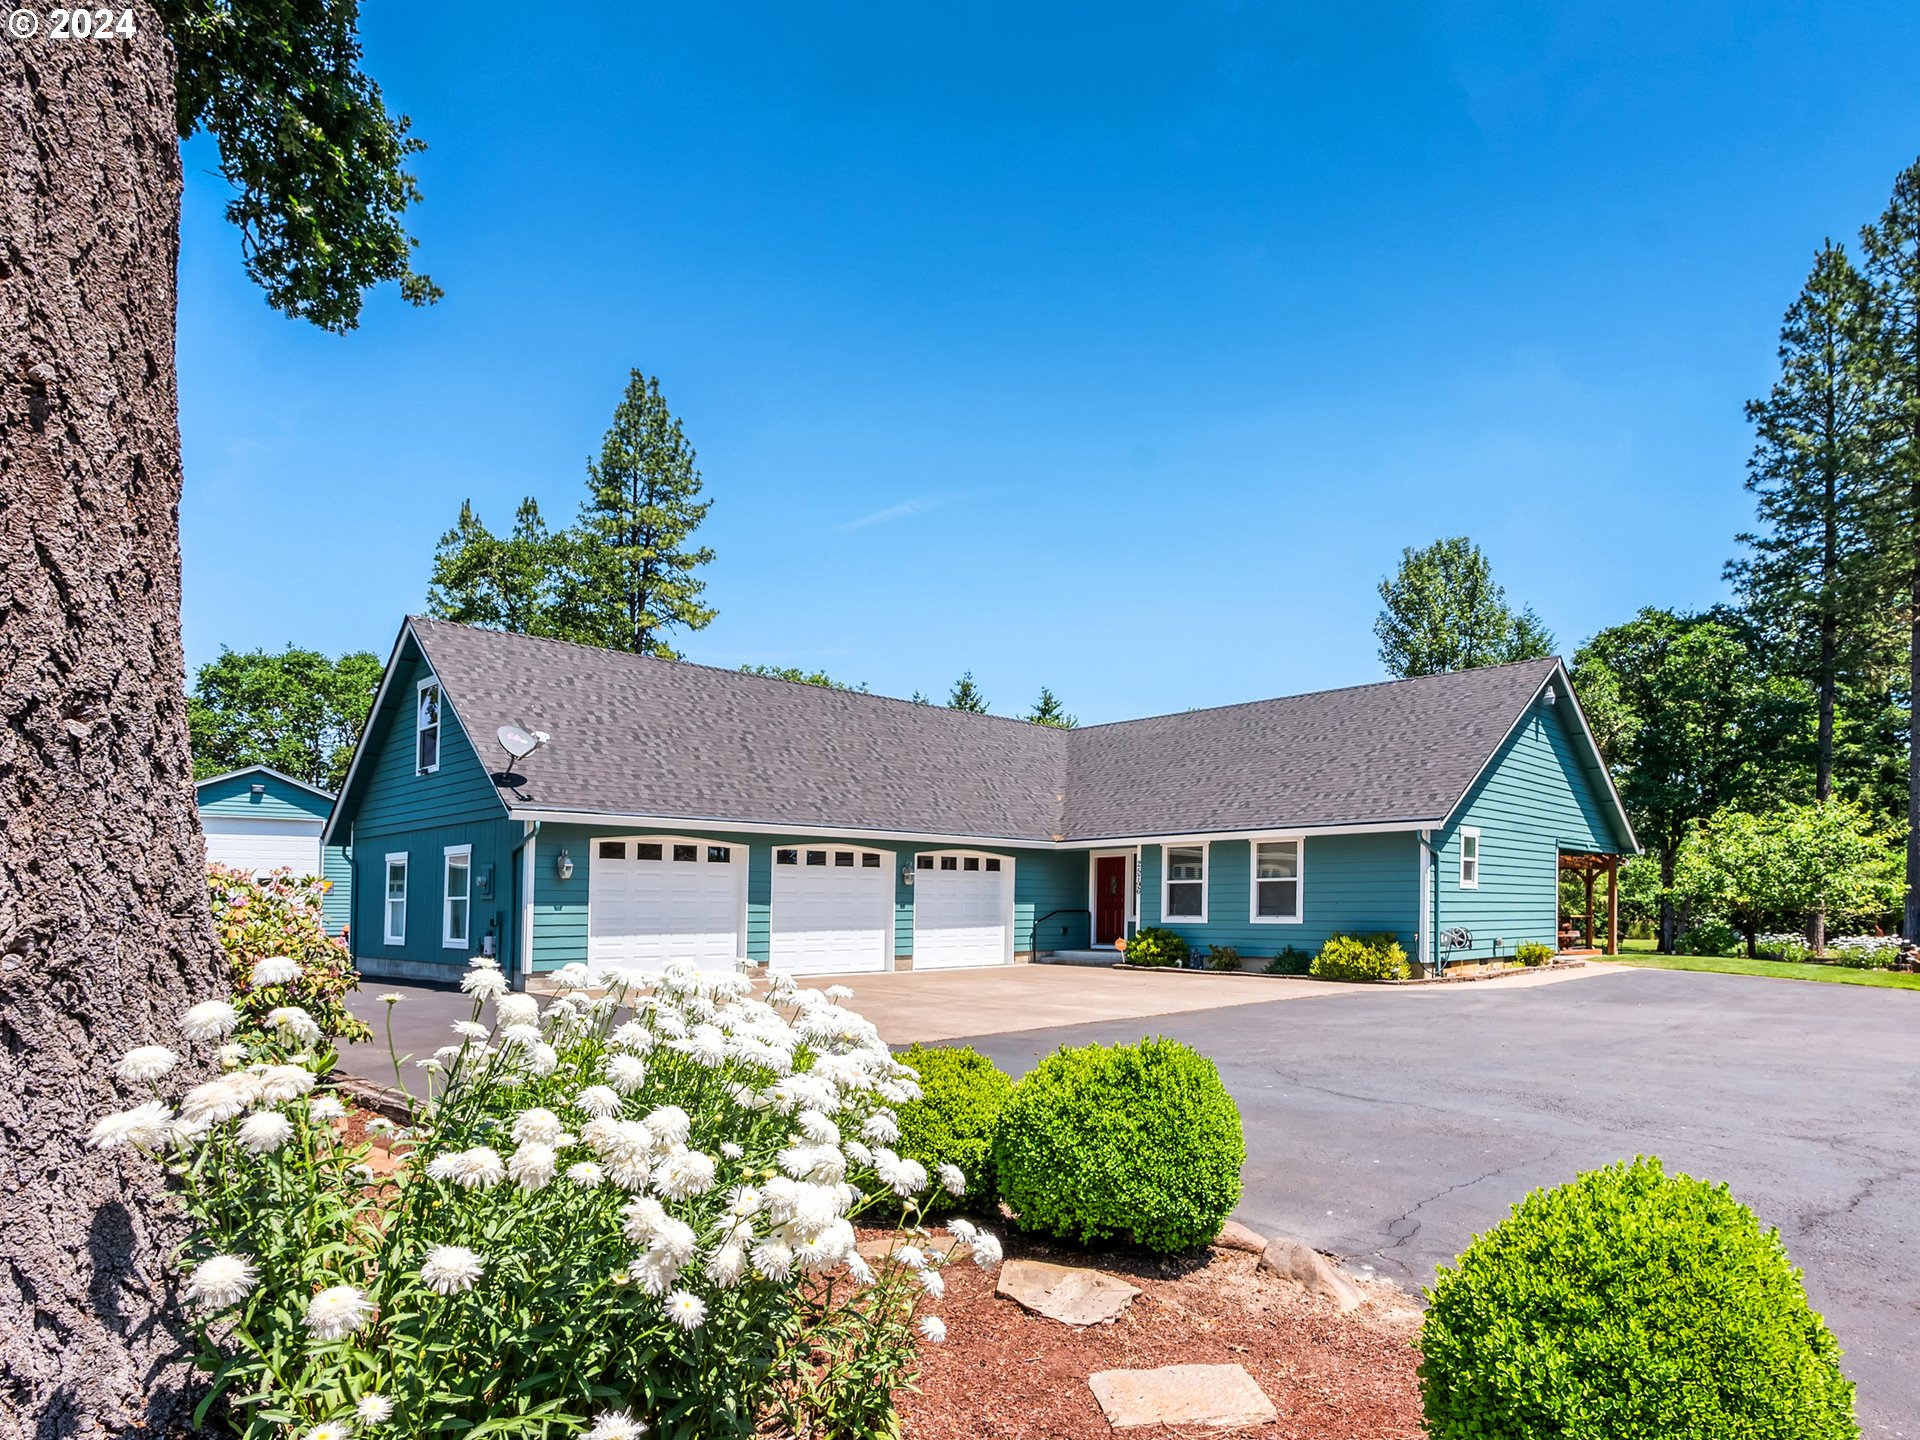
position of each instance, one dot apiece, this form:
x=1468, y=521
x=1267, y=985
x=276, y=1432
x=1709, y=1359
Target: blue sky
x=1114, y=348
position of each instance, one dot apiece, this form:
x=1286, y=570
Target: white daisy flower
x=485, y=982
x=273, y=970
x=294, y=1023
x=986, y=1250
x=931, y=1282
x=933, y=1327
x=475, y=1169
x=627, y=1073
x=817, y=1127
x=144, y=1064
x=881, y=1129
x=517, y=1009
x=231, y=1055
x=209, y=1020
x=326, y=1107
x=146, y=1127
x=952, y=1180
x=616, y=1425
x=392, y=997
x=338, y=1312
x=773, y=1259
x=585, y=1174
x=911, y=1256
x=451, y=1269
x=731, y=1151
x=600, y=1101
x=671, y=1124
x=727, y=1264
x=222, y=1281
x=373, y=1410
x=963, y=1230
x=275, y=1084
x=858, y=1268
x=684, y=1175
x=264, y=1133
x=837, y=993
x=532, y=1166
x=471, y=1029
x=328, y=1430
x=537, y=1124
x=686, y=1310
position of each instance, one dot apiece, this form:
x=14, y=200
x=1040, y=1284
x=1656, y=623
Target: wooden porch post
x=1613, y=905
x=1586, y=874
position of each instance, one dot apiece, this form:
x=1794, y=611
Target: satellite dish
x=517, y=742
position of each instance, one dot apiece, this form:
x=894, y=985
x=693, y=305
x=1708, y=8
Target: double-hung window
x=1186, y=883
x=1276, y=881
x=1469, y=859
x=456, y=911
x=396, y=910
x=426, y=729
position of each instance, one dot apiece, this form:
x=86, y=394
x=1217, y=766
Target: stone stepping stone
x=1067, y=1293
x=1215, y=1395
x=1300, y=1264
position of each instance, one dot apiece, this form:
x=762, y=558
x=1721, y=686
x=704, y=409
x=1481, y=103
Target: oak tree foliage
x=1443, y=611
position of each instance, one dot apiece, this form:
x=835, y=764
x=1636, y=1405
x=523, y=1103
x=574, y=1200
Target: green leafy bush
x=1707, y=936
x=1360, y=957
x=1134, y=1141
x=283, y=958
x=953, y=1122
x=1629, y=1303
x=1291, y=961
x=1222, y=957
x=1156, y=946
x=1534, y=953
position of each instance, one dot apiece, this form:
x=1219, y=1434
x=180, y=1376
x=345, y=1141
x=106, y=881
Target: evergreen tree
x=1047, y=710
x=1817, y=578
x=507, y=583
x=1444, y=612
x=966, y=696
x=631, y=578
x=1892, y=252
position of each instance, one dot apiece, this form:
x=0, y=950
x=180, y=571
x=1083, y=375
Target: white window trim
x=1205, y=847
x=397, y=857
x=447, y=857
x=1470, y=832
x=1299, y=880
x=439, y=725
x=1130, y=912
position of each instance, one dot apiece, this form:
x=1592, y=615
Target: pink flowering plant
x=282, y=956
x=619, y=1213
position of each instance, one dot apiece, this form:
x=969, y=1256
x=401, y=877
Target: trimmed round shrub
x=953, y=1122
x=1534, y=953
x=1707, y=936
x=1137, y=1142
x=1629, y=1303
x=1156, y=946
x=1360, y=957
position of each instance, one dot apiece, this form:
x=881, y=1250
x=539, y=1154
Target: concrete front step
x=1080, y=957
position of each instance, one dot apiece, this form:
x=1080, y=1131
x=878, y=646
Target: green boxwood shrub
x=1707, y=936
x=1222, y=957
x=1138, y=1142
x=1534, y=952
x=1360, y=957
x=1291, y=960
x=1156, y=946
x=1629, y=1303
x=953, y=1122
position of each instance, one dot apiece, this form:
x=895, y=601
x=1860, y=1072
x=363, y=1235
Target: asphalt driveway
x=1390, y=1127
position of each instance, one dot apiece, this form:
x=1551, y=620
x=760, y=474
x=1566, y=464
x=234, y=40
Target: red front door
x=1109, y=899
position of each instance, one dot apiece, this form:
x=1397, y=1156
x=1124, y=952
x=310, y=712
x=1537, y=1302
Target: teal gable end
x=226, y=799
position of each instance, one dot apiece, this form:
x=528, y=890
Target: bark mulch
x=1006, y=1374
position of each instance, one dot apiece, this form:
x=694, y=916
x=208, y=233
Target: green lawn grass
x=1641, y=952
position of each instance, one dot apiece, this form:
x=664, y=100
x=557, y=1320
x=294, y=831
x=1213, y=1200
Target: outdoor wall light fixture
x=1551, y=697
x=256, y=790
x=563, y=865
x=906, y=874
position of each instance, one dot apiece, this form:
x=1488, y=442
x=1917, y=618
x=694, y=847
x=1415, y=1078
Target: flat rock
x=1067, y=1293
x=1300, y=1264
x=940, y=1245
x=1235, y=1236
x=1217, y=1395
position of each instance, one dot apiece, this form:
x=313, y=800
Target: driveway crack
x=1406, y=1225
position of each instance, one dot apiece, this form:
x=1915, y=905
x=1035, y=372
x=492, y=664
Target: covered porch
x=1589, y=927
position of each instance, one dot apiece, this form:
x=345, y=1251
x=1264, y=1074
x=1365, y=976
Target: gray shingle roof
x=637, y=736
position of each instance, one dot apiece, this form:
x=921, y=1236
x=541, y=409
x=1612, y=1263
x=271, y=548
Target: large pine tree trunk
x=104, y=932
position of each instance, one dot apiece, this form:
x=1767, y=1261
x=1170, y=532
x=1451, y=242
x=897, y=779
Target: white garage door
x=832, y=910
x=653, y=901
x=962, y=910
x=259, y=845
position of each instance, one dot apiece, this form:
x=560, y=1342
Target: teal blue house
x=261, y=819
x=549, y=803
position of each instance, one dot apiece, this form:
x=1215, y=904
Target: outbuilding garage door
x=260, y=845
x=962, y=910
x=653, y=901
x=832, y=910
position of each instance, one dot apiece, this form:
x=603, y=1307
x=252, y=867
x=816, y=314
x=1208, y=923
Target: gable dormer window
x=426, y=729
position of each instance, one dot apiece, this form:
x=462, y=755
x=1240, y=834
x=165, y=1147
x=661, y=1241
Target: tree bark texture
x=104, y=931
